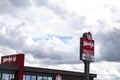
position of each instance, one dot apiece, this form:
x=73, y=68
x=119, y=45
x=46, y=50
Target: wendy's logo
x=88, y=36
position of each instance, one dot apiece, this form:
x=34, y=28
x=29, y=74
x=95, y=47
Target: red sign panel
x=18, y=60
x=87, y=48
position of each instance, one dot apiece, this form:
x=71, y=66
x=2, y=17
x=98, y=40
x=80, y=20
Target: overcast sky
x=48, y=33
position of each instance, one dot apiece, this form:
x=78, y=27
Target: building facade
x=12, y=68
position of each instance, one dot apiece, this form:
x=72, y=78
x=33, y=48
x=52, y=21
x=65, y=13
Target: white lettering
x=87, y=57
x=85, y=43
x=9, y=59
x=90, y=52
x=14, y=59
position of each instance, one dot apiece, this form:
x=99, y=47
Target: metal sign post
x=87, y=52
x=86, y=69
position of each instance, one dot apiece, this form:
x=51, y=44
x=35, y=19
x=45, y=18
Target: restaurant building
x=12, y=68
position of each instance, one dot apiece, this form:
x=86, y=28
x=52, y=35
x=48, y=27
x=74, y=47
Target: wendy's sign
x=16, y=60
x=87, y=47
x=9, y=59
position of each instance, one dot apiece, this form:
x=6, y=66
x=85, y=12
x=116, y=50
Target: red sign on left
x=9, y=59
x=17, y=60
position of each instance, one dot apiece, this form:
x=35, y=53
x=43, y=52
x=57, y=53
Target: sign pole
x=86, y=69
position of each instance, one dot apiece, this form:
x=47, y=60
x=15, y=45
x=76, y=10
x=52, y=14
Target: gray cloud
x=12, y=38
x=44, y=50
x=15, y=40
x=20, y=3
x=117, y=78
x=77, y=22
x=5, y=7
x=54, y=7
x=49, y=54
x=12, y=6
x=41, y=2
x=109, y=45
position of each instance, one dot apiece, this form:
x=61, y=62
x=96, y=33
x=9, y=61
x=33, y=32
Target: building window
x=11, y=76
x=33, y=77
x=39, y=77
x=27, y=77
x=7, y=76
x=49, y=78
x=44, y=77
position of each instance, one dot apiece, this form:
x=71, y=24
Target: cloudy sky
x=48, y=33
